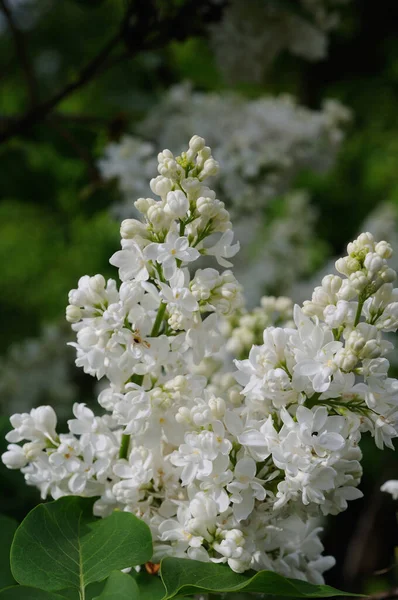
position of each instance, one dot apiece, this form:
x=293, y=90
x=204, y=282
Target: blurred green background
x=57, y=210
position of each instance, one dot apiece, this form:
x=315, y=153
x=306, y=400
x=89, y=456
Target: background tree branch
x=145, y=26
x=22, y=53
x=97, y=65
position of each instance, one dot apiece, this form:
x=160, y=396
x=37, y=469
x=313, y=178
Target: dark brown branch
x=143, y=27
x=94, y=67
x=80, y=119
x=80, y=150
x=64, y=117
x=22, y=54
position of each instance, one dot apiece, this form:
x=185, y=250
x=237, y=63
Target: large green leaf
x=183, y=576
x=120, y=586
x=7, y=528
x=150, y=586
x=23, y=592
x=61, y=545
x=92, y=591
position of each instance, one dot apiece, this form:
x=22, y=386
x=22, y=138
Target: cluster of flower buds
x=244, y=330
x=226, y=468
x=273, y=139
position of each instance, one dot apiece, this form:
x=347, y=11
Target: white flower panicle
x=273, y=139
x=260, y=31
x=228, y=469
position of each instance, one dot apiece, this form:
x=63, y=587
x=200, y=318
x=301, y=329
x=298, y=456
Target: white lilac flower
x=224, y=467
x=224, y=249
x=391, y=487
x=131, y=262
x=174, y=249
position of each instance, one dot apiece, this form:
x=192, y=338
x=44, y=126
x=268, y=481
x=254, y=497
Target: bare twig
x=385, y=570
x=80, y=150
x=97, y=65
x=64, y=117
x=22, y=53
x=141, y=28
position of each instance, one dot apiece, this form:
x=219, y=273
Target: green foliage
x=151, y=586
x=24, y=592
x=92, y=591
x=61, y=545
x=120, y=586
x=181, y=575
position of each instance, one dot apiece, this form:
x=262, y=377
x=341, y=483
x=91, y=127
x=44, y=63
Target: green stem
x=206, y=231
x=124, y=446
x=310, y=402
x=361, y=301
x=158, y=320
x=138, y=379
x=82, y=592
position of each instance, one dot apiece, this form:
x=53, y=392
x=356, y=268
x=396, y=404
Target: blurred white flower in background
x=38, y=370
x=261, y=144
x=252, y=34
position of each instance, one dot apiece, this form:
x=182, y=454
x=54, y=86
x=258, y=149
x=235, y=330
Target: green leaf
x=22, y=592
x=150, y=586
x=61, y=545
x=183, y=576
x=7, y=528
x=92, y=591
x=120, y=586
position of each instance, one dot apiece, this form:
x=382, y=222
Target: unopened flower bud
x=341, y=266
x=191, y=185
x=384, y=249
x=97, y=283
x=32, y=450
x=356, y=341
x=217, y=407
x=388, y=275
x=347, y=291
x=373, y=262
x=183, y=415
x=352, y=264
x=143, y=204
x=161, y=186
x=196, y=143
x=73, y=313
x=15, y=457
x=157, y=217
x=331, y=284
x=210, y=168
x=345, y=360
x=371, y=349
x=130, y=228
x=365, y=241
x=177, y=204
x=358, y=280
